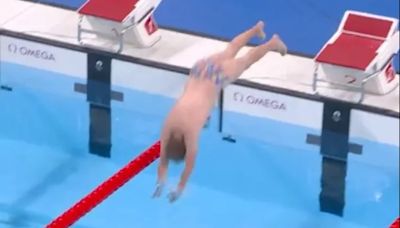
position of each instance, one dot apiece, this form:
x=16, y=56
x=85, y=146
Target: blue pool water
x=45, y=167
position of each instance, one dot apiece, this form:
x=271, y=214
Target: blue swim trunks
x=209, y=70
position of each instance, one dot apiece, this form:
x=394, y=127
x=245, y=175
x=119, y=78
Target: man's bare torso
x=192, y=110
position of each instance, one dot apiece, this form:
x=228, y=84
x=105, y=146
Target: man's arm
x=162, y=170
x=161, y=175
x=190, y=160
x=189, y=165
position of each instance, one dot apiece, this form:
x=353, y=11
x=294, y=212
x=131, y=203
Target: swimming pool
x=269, y=177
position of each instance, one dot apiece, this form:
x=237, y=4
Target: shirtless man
x=182, y=127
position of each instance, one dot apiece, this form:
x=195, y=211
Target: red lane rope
x=396, y=224
x=107, y=188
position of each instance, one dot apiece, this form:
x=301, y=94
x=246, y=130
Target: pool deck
x=292, y=72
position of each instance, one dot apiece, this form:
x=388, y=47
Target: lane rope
x=107, y=188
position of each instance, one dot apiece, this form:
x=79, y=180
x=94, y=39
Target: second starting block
x=122, y=21
x=360, y=54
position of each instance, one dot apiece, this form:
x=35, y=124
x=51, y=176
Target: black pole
x=334, y=150
x=99, y=98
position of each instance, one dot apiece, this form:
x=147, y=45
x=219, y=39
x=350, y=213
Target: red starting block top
x=357, y=45
x=115, y=10
x=351, y=51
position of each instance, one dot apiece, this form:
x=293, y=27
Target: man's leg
x=235, y=67
x=240, y=41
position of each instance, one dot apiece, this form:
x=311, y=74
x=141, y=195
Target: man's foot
x=259, y=27
x=278, y=44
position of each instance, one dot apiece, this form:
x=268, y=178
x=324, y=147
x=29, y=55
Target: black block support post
x=98, y=90
x=99, y=80
x=333, y=186
x=100, y=131
x=2, y=86
x=334, y=148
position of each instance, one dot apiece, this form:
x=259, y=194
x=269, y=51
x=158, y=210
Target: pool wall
x=278, y=105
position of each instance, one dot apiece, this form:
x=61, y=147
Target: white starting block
x=124, y=21
x=360, y=54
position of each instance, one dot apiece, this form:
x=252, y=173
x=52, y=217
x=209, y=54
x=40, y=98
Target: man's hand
x=174, y=195
x=158, y=191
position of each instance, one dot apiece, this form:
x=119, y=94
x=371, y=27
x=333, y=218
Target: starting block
x=123, y=21
x=360, y=54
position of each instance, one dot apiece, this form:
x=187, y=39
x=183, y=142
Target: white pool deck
x=291, y=72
